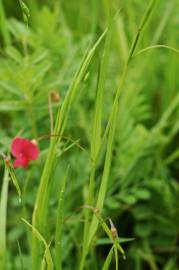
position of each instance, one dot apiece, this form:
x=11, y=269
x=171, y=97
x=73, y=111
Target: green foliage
x=116, y=127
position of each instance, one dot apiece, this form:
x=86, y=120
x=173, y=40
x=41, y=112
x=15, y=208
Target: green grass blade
x=64, y=111
x=59, y=224
x=157, y=46
x=108, y=259
x=143, y=22
x=20, y=255
x=48, y=256
x=112, y=124
x=96, y=136
x=3, y=25
x=10, y=169
x=3, y=215
x=116, y=258
x=40, y=209
x=25, y=12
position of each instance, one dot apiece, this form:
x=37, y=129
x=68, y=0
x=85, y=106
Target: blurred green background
x=143, y=191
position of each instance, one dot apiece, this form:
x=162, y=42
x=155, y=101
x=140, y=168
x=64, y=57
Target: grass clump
x=98, y=96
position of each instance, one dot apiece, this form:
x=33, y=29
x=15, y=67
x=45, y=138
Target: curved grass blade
x=48, y=256
x=156, y=47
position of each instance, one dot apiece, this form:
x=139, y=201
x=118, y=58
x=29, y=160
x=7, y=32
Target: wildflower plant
x=89, y=109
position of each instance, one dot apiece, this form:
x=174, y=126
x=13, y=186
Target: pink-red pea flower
x=24, y=151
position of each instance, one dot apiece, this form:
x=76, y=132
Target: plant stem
x=3, y=25
x=3, y=214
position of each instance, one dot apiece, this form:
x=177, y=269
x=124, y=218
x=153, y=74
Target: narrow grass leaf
x=116, y=258
x=48, y=256
x=20, y=255
x=10, y=87
x=107, y=241
x=156, y=47
x=59, y=224
x=25, y=12
x=3, y=215
x=10, y=169
x=108, y=259
x=3, y=25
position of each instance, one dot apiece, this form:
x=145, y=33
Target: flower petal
x=32, y=151
x=17, y=146
x=21, y=162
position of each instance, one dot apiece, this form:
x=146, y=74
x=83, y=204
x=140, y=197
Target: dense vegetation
x=95, y=83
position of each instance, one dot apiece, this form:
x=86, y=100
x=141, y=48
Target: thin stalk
x=116, y=258
x=50, y=112
x=95, y=9
x=59, y=223
x=3, y=25
x=161, y=26
x=157, y=46
x=32, y=120
x=3, y=214
x=47, y=253
x=123, y=43
x=33, y=5
x=108, y=259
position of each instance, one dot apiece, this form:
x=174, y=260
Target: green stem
x=3, y=25
x=59, y=225
x=32, y=120
x=3, y=214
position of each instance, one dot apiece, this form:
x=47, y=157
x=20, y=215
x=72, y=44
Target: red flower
x=24, y=151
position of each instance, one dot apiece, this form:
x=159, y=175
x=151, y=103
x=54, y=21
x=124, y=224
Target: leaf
x=59, y=224
x=13, y=53
x=38, y=56
x=41, y=238
x=128, y=199
x=12, y=105
x=142, y=194
x=107, y=241
x=25, y=11
x=108, y=259
x=10, y=87
x=3, y=215
x=10, y=169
